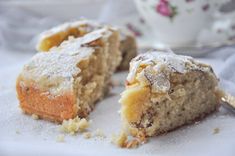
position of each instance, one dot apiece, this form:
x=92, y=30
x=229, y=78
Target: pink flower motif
x=134, y=30
x=205, y=7
x=165, y=9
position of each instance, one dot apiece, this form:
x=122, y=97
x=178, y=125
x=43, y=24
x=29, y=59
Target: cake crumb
x=74, y=126
x=83, y=124
x=22, y=111
x=120, y=140
x=100, y=133
x=60, y=138
x=141, y=137
x=216, y=131
x=35, y=117
x=87, y=135
x=132, y=144
x=17, y=132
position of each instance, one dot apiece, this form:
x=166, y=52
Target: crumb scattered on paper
x=22, y=111
x=17, y=132
x=141, y=137
x=35, y=117
x=87, y=135
x=124, y=141
x=99, y=133
x=60, y=138
x=119, y=140
x=132, y=143
x=216, y=131
x=83, y=124
x=73, y=126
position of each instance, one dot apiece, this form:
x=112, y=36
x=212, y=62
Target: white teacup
x=178, y=22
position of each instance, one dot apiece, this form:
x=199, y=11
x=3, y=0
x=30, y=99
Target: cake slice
x=56, y=35
x=68, y=80
x=165, y=91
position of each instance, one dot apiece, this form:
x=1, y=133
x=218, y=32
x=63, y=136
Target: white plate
x=21, y=135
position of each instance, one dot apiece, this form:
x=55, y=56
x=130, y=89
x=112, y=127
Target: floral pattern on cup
x=134, y=30
x=165, y=9
x=188, y=1
x=205, y=7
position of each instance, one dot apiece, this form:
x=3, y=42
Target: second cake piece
x=68, y=80
x=165, y=91
x=56, y=35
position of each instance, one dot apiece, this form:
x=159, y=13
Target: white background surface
x=36, y=137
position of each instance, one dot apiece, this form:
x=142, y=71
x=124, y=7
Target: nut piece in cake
x=165, y=91
x=68, y=80
x=56, y=35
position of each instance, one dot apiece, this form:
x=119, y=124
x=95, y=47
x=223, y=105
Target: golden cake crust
x=53, y=108
x=56, y=35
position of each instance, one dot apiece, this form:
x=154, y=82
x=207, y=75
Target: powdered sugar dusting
x=73, y=44
x=162, y=63
x=61, y=61
x=173, y=61
x=55, y=64
x=83, y=25
x=56, y=69
x=67, y=26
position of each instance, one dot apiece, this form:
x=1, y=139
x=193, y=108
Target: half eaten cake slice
x=165, y=91
x=68, y=80
x=56, y=35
